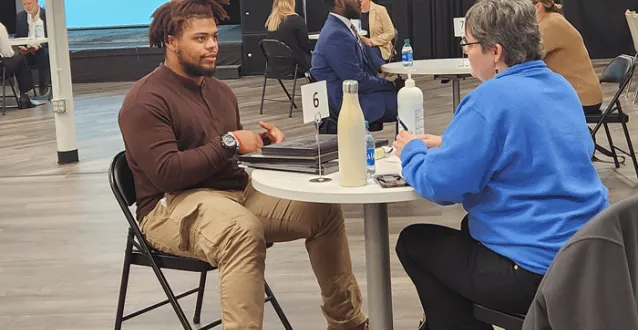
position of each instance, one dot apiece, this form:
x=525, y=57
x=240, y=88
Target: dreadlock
x=171, y=17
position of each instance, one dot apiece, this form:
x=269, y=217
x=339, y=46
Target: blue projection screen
x=100, y=13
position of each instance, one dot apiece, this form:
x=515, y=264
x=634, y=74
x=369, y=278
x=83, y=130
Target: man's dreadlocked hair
x=171, y=17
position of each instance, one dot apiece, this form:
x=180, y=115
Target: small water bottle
x=39, y=29
x=370, y=161
x=407, y=56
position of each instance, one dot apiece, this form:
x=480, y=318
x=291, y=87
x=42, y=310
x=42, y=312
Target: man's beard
x=194, y=70
x=352, y=13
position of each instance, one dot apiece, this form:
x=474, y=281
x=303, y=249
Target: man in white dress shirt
x=37, y=54
x=15, y=64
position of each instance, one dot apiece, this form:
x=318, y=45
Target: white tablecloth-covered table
x=26, y=41
x=453, y=69
x=315, y=36
x=296, y=186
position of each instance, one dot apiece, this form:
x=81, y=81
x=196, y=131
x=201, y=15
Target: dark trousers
x=452, y=271
x=18, y=65
x=41, y=60
x=592, y=109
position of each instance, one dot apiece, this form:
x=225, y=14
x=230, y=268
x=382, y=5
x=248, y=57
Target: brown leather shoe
x=363, y=326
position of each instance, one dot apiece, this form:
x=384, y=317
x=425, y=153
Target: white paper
x=314, y=99
x=459, y=27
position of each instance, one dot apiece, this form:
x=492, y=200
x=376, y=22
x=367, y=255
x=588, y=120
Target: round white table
x=26, y=41
x=453, y=69
x=315, y=36
x=296, y=186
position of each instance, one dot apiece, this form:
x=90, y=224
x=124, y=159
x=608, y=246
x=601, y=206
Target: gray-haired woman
x=525, y=179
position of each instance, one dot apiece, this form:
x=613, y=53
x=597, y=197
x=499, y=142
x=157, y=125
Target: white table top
x=26, y=41
x=315, y=36
x=296, y=186
x=444, y=66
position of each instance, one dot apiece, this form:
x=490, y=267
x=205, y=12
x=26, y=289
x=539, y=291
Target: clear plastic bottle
x=370, y=161
x=407, y=55
x=39, y=28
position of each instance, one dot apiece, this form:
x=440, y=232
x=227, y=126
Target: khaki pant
x=229, y=229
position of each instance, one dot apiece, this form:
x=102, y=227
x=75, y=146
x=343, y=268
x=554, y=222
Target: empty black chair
x=138, y=252
x=6, y=77
x=279, y=60
x=619, y=71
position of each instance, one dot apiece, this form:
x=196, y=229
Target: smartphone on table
x=390, y=181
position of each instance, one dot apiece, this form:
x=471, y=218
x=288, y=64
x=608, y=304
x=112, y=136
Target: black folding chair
x=619, y=71
x=138, y=252
x=279, y=64
x=499, y=319
x=6, y=77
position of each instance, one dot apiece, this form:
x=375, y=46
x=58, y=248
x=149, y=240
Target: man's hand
x=367, y=41
x=432, y=141
x=23, y=51
x=34, y=49
x=273, y=133
x=249, y=141
x=401, y=140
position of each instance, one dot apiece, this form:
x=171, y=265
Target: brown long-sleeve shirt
x=172, y=130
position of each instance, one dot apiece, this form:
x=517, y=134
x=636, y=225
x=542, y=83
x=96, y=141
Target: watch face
x=229, y=141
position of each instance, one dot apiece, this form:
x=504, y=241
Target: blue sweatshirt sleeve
x=462, y=165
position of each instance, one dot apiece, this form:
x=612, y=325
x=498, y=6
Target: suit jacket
x=22, y=23
x=381, y=30
x=338, y=57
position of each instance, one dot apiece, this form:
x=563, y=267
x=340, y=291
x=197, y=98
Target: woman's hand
x=432, y=141
x=401, y=140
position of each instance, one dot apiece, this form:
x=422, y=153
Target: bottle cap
x=367, y=125
x=407, y=41
x=350, y=86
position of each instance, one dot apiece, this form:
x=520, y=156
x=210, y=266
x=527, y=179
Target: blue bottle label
x=370, y=157
x=406, y=56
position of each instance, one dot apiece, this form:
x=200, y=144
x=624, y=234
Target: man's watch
x=229, y=141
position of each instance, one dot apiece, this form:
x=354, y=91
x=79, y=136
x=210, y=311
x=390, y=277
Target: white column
x=61, y=82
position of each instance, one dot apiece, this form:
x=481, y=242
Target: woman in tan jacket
x=375, y=20
x=566, y=54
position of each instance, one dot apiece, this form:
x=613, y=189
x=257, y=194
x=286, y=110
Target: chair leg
x=287, y=94
x=169, y=292
x=275, y=305
x=200, y=298
x=611, y=145
x=124, y=283
x=15, y=94
x=632, y=153
x=292, y=102
x=263, y=90
x=4, y=91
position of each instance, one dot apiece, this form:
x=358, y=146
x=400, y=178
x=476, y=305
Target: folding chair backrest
x=618, y=71
x=123, y=186
x=632, y=21
x=275, y=49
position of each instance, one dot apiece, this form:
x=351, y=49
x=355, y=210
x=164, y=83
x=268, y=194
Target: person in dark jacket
x=285, y=25
x=36, y=54
x=592, y=283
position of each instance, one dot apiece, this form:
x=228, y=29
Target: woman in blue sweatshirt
x=517, y=155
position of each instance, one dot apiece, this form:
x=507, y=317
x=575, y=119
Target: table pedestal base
x=378, y=266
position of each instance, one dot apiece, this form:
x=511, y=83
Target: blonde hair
x=280, y=10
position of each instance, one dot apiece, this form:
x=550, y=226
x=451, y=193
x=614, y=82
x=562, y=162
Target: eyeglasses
x=465, y=45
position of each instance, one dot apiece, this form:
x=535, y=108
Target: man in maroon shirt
x=182, y=133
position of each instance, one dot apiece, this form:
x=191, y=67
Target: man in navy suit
x=341, y=55
x=36, y=54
